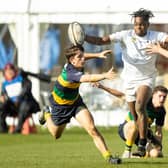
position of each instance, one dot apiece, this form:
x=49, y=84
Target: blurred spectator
x=7, y=48
x=96, y=64
x=49, y=49
x=16, y=98
x=118, y=55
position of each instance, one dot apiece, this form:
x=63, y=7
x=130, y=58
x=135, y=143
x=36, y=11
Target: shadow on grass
x=149, y=162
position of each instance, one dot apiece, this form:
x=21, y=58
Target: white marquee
x=25, y=16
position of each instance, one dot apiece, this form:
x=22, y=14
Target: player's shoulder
x=70, y=69
x=155, y=33
x=128, y=32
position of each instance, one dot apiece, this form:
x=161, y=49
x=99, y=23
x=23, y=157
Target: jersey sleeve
x=75, y=76
x=118, y=36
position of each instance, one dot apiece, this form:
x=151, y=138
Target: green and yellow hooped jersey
x=66, y=89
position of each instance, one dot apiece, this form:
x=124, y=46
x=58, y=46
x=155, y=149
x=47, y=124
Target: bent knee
x=139, y=108
x=131, y=127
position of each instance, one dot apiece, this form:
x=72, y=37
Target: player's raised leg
x=45, y=117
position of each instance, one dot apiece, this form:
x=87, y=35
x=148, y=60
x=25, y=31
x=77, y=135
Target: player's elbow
x=106, y=40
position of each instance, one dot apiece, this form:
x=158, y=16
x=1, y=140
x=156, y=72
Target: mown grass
x=74, y=150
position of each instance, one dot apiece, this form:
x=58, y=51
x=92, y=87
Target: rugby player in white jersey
x=139, y=70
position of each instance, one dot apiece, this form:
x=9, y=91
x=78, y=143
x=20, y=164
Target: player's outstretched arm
x=102, y=54
x=111, y=74
x=114, y=92
x=97, y=40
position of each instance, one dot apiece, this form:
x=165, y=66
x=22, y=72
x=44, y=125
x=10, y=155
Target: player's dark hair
x=145, y=14
x=161, y=89
x=71, y=50
x=12, y=67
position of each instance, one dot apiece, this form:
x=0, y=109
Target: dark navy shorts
x=121, y=130
x=62, y=115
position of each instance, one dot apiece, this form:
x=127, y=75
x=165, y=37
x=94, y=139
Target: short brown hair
x=161, y=89
x=71, y=50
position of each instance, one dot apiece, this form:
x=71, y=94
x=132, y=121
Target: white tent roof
x=56, y=6
x=25, y=15
x=95, y=11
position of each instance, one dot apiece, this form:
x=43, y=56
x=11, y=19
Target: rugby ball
x=76, y=33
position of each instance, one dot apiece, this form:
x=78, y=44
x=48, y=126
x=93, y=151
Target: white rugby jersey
x=137, y=64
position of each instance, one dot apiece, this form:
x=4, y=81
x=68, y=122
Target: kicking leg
x=45, y=117
x=85, y=118
x=56, y=131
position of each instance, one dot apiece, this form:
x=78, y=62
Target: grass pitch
x=74, y=150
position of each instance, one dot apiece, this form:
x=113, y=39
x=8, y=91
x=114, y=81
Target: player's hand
x=96, y=84
x=111, y=74
x=153, y=48
x=105, y=53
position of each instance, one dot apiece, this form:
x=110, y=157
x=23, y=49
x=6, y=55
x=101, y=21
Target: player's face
x=78, y=60
x=9, y=73
x=159, y=99
x=140, y=26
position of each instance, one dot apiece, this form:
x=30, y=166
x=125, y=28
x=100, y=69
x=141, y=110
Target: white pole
x=34, y=54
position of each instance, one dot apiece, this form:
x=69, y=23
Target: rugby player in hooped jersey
x=139, y=70
x=66, y=101
x=156, y=112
